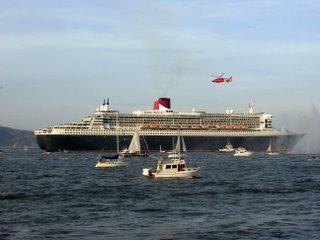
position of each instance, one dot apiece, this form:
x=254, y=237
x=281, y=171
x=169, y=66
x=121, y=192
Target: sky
x=60, y=58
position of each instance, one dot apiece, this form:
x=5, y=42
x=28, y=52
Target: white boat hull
x=273, y=153
x=223, y=150
x=246, y=154
x=111, y=164
x=186, y=173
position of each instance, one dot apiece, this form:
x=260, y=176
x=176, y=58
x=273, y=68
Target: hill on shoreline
x=10, y=137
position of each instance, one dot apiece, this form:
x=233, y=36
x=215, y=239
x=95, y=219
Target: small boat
x=272, y=152
x=171, y=168
x=242, y=152
x=134, y=149
x=110, y=161
x=154, y=125
x=174, y=126
x=174, y=167
x=313, y=158
x=228, y=148
x=180, y=149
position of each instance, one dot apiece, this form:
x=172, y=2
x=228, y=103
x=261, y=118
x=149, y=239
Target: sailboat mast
x=117, y=131
x=179, y=142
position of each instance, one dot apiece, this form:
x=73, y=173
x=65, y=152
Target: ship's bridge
x=266, y=121
x=153, y=112
x=167, y=112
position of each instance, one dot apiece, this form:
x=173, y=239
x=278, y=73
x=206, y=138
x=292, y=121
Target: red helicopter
x=220, y=79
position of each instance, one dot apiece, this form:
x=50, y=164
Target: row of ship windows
x=223, y=132
x=205, y=119
x=222, y=118
x=187, y=117
x=80, y=126
x=86, y=126
x=131, y=123
x=172, y=120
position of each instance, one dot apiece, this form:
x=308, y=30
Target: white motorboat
x=175, y=167
x=227, y=149
x=172, y=168
x=242, y=152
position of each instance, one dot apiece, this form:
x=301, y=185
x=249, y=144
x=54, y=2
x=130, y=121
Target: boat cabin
x=171, y=165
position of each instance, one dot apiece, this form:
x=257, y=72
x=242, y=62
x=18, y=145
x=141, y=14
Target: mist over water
x=309, y=125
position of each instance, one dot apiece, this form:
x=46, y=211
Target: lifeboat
x=144, y=126
x=221, y=126
x=154, y=125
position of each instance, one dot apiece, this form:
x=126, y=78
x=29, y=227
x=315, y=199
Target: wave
x=294, y=189
x=149, y=210
x=13, y=196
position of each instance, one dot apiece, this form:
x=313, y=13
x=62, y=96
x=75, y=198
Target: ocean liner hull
x=153, y=143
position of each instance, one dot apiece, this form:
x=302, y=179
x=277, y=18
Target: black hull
x=54, y=143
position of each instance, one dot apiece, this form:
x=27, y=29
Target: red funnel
x=165, y=102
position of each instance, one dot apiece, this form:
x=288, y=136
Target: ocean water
x=63, y=196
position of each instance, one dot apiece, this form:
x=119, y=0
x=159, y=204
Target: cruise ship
x=107, y=130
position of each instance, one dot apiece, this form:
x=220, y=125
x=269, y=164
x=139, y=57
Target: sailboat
x=134, y=149
x=272, y=152
x=174, y=167
x=112, y=161
x=180, y=149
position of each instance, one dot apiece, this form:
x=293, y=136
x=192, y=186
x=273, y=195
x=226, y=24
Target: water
x=62, y=196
